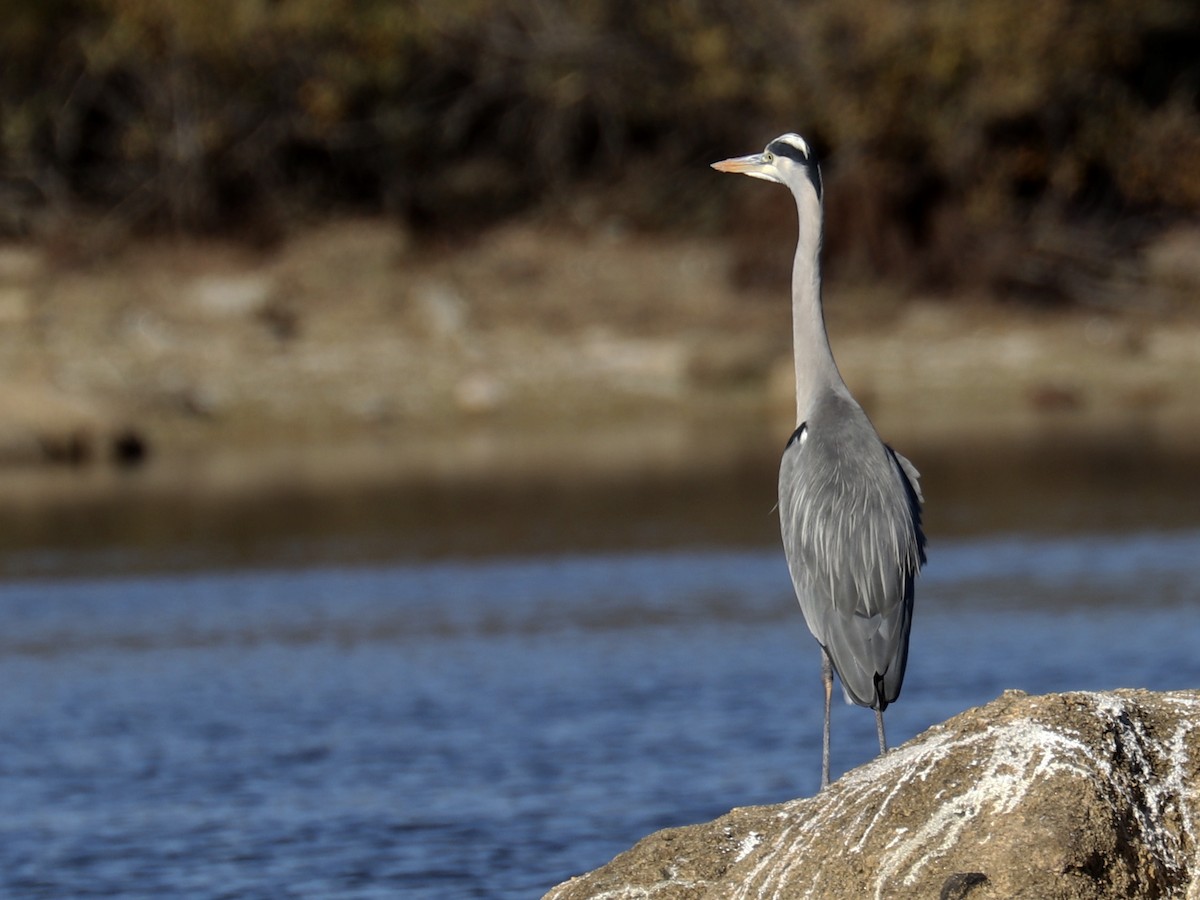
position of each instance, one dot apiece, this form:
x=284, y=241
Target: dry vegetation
x=980, y=144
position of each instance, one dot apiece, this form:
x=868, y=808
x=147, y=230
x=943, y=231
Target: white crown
x=794, y=140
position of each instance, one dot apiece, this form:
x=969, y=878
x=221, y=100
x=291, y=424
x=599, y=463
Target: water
x=322, y=718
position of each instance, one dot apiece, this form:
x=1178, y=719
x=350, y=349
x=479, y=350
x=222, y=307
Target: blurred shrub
x=950, y=127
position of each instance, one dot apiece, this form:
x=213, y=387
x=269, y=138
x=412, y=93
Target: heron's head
x=787, y=160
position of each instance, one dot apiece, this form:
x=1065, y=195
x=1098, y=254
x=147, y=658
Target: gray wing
x=850, y=514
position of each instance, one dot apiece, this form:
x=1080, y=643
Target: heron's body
x=846, y=514
x=849, y=506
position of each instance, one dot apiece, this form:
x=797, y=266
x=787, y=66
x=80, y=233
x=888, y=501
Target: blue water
x=488, y=728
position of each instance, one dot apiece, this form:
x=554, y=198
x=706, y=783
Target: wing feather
x=850, y=515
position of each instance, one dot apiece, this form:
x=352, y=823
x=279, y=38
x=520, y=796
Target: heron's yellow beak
x=755, y=165
x=743, y=164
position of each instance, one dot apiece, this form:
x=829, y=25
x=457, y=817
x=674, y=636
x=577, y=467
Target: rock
x=1173, y=259
x=443, y=310
x=229, y=296
x=1058, y=797
x=16, y=306
x=21, y=263
x=42, y=424
x=20, y=268
x=479, y=393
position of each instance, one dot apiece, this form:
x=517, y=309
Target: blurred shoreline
x=350, y=354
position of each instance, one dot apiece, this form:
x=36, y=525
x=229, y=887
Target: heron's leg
x=879, y=730
x=827, y=680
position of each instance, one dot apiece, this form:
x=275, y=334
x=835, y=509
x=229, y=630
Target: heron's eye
x=769, y=156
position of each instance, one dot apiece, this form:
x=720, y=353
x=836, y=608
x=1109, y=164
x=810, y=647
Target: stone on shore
x=1056, y=797
x=40, y=423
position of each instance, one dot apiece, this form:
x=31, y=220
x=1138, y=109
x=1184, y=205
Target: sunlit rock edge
x=1075, y=795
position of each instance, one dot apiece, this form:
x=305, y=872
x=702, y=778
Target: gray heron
x=849, y=505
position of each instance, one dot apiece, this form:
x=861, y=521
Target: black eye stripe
x=808, y=160
x=780, y=148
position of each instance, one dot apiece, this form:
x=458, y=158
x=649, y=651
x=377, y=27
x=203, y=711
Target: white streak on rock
x=749, y=842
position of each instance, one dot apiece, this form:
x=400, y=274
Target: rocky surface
x=1057, y=797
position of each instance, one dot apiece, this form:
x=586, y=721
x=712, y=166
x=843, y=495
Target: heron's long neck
x=816, y=372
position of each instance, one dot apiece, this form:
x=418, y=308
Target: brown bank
x=1080, y=795
x=352, y=333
